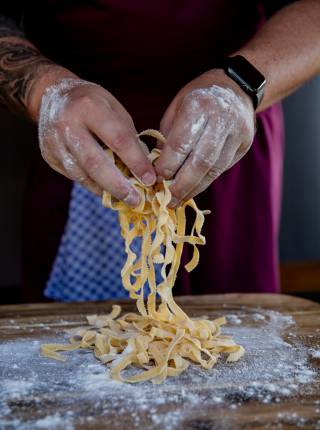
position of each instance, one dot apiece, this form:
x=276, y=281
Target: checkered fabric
x=91, y=253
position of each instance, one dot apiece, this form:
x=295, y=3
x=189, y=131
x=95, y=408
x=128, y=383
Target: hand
x=74, y=116
x=209, y=127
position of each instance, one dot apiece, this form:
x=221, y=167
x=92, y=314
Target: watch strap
x=245, y=75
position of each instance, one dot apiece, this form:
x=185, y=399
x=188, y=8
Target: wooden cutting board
x=275, y=386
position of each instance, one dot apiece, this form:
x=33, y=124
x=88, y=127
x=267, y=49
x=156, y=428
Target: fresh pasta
x=161, y=340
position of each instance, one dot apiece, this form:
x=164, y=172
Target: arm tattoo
x=19, y=66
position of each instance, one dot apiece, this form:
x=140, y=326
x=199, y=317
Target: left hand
x=209, y=126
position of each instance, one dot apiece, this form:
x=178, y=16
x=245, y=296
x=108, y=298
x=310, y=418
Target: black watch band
x=245, y=75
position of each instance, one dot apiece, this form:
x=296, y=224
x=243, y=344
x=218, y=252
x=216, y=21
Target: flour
x=227, y=117
x=233, y=319
x=50, y=130
x=315, y=353
x=69, y=163
x=54, y=99
x=197, y=125
x=272, y=370
x=258, y=317
x=76, y=142
x=213, y=124
x=19, y=388
x=52, y=422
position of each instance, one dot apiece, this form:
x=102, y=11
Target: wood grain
x=31, y=321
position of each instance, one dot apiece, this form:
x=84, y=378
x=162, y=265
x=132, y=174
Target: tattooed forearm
x=20, y=63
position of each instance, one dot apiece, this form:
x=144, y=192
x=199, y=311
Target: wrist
x=254, y=59
x=245, y=75
x=219, y=77
x=48, y=75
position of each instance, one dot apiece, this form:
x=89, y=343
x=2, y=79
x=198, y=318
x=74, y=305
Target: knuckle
x=69, y=163
x=202, y=163
x=61, y=126
x=214, y=172
x=90, y=185
x=92, y=163
x=181, y=147
x=196, y=93
x=120, y=142
x=84, y=180
x=198, y=99
x=192, y=102
x=85, y=101
x=165, y=170
x=167, y=173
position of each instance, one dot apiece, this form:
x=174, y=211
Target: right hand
x=75, y=115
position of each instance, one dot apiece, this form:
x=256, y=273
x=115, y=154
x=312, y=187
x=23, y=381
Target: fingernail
x=148, y=179
x=132, y=199
x=173, y=202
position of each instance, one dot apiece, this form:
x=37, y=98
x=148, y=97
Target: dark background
x=300, y=227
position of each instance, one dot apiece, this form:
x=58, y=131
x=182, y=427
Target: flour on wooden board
x=271, y=370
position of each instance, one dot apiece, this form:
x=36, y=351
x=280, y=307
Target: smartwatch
x=245, y=75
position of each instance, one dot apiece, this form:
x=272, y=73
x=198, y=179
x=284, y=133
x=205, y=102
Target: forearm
x=24, y=71
x=287, y=49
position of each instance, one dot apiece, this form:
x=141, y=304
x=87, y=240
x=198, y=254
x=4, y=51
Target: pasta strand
x=161, y=340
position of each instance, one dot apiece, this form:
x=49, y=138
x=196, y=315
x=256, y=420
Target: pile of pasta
x=161, y=340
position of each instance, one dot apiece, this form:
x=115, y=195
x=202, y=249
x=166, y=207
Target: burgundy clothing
x=144, y=52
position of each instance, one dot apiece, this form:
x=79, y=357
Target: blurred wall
x=300, y=227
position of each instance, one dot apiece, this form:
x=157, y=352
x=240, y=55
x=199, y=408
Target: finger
x=67, y=167
x=120, y=111
x=77, y=176
x=99, y=167
x=124, y=143
x=168, y=117
x=203, y=185
x=166, y=123
x=184, y=136
x=159, y=145
x=144, y=147
x=91, y=186
x=74, y=172
x=241, y=152
x=55, y=152
x=226, y=160
x=210, y=157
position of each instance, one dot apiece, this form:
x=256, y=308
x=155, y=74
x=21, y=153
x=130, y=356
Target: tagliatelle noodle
x=161, y=340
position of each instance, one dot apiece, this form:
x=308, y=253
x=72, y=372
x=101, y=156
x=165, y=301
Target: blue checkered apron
x=91, y=253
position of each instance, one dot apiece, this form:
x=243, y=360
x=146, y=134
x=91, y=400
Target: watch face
x=247, y=75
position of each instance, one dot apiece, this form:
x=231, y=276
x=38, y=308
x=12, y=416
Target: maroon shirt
x=144, y=52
